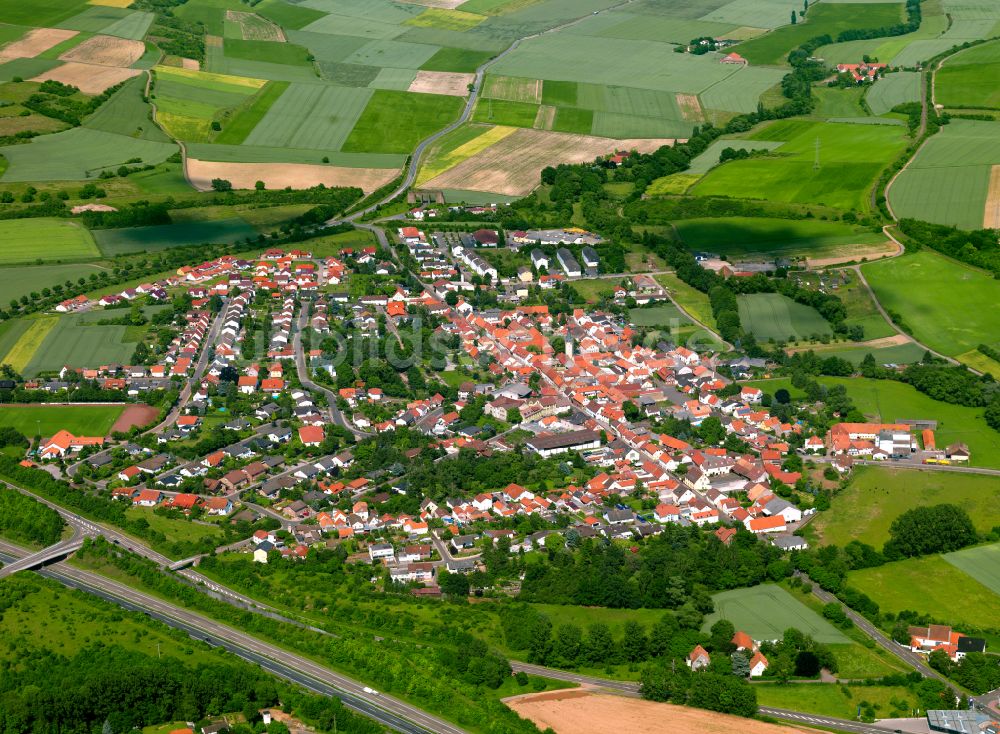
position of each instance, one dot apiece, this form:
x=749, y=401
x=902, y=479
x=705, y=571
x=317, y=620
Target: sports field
x=771, y=316
x=948, y=180
x=747, y=236
x=850, y=160
x=930, y=585
x=981, y=563
x=948, y=305
x=162, y=237
x=764, y=612
x=878, y=495
x=45, y=420
x=971, y=78
x=45, y=238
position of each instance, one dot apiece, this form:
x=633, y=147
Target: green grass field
x=765, y=612
x=188, y=102
x=245, y=119
x=981, y=563
x=746, y=236
x=774, y=47
x=933, y=586
x=45, y=420
x=948, y=305
x=901, y=354
x=378, y=129
x=829, y=699
x=878, y=495
x=127, y=114
x=771, y=316
x=971, y=78
x=948, y=180
x=176, y=531
x=691, y=300
x=268, y=51
x=286, y=14
x=709, y=158
x=851, y=158
x=44, y=238
x=20, y=342
x=17, y=281
x=162, y=237
x=889, y=401
x=661, y=315
x=456, y=59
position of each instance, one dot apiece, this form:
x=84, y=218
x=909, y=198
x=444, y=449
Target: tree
x=782, y=396
x=926, y=530
x=634, y=641
x=722, y=636
x=794, y=18
x=259, y=186
x=221, y=184
x=599, y=646
x=722, y=693
x=711, y=431
x=567, y=645
x=453, y=584
x=741, y=666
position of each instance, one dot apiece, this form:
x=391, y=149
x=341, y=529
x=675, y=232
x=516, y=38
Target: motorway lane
x=388, y=710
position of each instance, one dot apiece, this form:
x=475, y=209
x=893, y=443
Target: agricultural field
x=878, y=495
x=737, y=237
x=74, y=339
x=457, y=146
x=162, y=237
x=930, y=585
x=691, y=300
x=126, y=113
x=948, y=182
x=949, y=306
x=45, y=239
x=773, y=317
x=889, y=401
x=970, y=78
x=831, y=18
x=892, y=90
x=981, y=563
x=905, y=353
x=45, y=420
x=23, y=341
x=311, y=116
x=764, y=612
x=709, y=158
x=378, y=129
x=188, y=102
x=851, y=158
x=22, y=280
x=78, y=154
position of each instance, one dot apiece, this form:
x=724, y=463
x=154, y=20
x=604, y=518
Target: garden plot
x=442, y=82
x=513, y=165
x=282, y=175
x=34, y=42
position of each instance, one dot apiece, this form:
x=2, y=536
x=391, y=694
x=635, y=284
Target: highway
x=387, y=710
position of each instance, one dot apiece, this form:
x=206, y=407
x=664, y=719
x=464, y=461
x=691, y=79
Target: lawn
x=45, y=420
x=851, y=159
x=45, y=238
x=378, y=129
x=774, y=47
x=772, y=316
x=737, y=237
x=981, y=563
x=115, y=242
x=765, y=612
x=971, y=78
x=878, y=495
x=949, y=306
x=889, y=401
x=17, y=281
x=830, y=699
x=930, y=585
x=948, y=180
